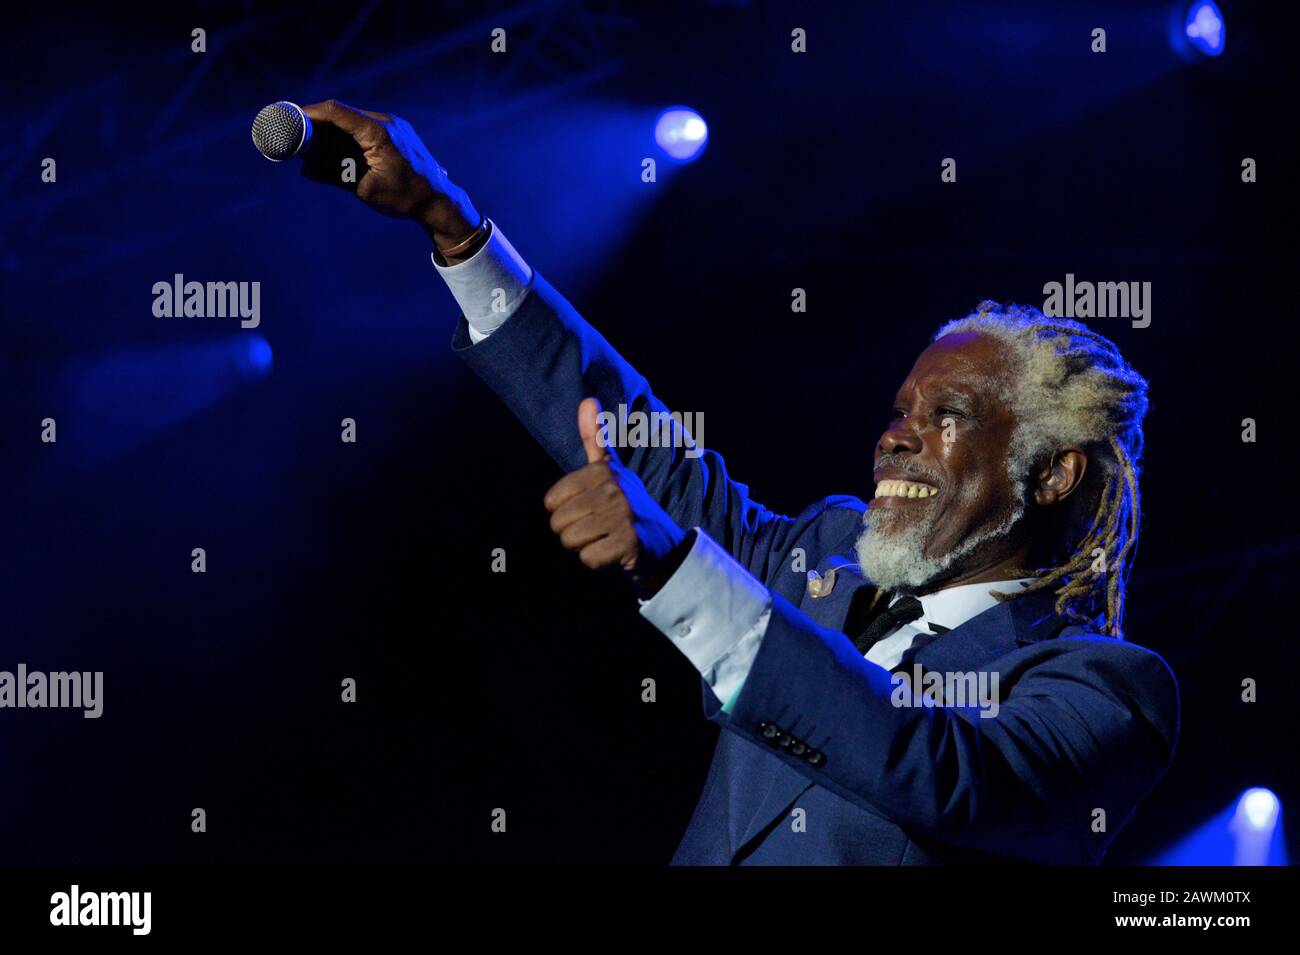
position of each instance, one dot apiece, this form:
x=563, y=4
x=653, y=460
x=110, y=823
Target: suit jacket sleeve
x=1088, y=723
x=547, y=358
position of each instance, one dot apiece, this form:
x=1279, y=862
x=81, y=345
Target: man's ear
x=1061, y=476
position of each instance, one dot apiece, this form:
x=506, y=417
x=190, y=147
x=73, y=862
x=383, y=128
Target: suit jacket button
x=815, y=757
x=784, y=740
x=769, y=730
x=799, y=747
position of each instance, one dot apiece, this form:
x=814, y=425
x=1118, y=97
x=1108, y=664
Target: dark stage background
x=372, y=560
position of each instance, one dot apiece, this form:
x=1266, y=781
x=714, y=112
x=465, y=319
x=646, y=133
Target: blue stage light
x=1258, y=808
x=1254, y=828
x=127, y=397
x=1248, y=832
x=258, y=357
x=1204, y=28
x=681, y=133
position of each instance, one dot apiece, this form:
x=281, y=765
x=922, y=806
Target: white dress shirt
x=489, y=285
x=948, y=609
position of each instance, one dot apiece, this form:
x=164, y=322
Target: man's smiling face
x=945, y=501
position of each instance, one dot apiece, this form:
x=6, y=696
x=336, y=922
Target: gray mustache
x=908, y=466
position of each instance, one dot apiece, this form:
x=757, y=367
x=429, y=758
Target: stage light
x=257, y=358
x=130, y=396
x=681, y=133
x=1254, y=827
x=1204, y=28
x=1248, y=832
x=1258, y=809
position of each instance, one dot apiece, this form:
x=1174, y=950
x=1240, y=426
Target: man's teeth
x=905, y=489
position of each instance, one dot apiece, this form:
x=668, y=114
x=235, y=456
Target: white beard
x=893, y=557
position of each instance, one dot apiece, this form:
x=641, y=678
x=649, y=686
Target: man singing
x=832, y=645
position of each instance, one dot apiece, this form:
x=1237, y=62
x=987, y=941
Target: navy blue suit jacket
x=1086, y=725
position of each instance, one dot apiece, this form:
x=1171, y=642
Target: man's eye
x=897, y=413
x=946, y=412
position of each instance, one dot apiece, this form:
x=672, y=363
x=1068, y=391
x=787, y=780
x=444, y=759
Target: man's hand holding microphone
x=396, y=175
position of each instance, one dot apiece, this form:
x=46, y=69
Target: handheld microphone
x=282, y=131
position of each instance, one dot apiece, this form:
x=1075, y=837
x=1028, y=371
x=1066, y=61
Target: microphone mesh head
x=278, y=131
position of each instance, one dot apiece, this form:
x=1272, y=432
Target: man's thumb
x=589, y=428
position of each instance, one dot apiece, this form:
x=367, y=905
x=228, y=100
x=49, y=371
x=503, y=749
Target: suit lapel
x=988, y=635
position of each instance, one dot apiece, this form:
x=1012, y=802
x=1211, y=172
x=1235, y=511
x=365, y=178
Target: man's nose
x=900, y=439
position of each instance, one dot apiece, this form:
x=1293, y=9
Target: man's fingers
x=599, y=499
x=363, y=127
x=590, y=527
x=574, y=483
x=589, y=428
x=593, y=500
x=608, y=551
x=593, y=489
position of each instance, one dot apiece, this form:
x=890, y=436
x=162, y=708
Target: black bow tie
x=903, y=610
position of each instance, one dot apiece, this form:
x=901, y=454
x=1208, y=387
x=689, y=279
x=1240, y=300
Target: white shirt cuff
x=715, y=612
x=488, y=286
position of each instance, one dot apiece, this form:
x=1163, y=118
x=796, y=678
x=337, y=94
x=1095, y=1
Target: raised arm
x=533, y=348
